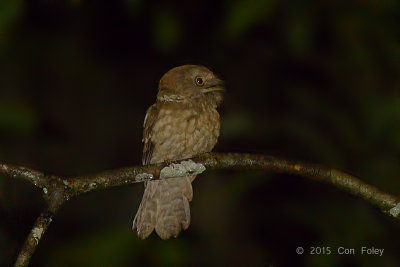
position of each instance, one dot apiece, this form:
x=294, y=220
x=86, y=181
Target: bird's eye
x=199, y=81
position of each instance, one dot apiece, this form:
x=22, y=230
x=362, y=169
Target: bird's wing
x=149, y=120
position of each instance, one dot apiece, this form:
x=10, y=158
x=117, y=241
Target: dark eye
x=199, y=81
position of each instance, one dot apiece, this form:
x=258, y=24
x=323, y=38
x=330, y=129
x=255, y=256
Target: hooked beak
x=214, y=85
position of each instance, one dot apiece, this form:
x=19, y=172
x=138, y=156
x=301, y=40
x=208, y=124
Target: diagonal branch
x=55, y=196
x=34, y=237
x=57, y=190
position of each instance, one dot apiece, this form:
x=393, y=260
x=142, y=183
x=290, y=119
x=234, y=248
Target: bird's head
x=190, y=82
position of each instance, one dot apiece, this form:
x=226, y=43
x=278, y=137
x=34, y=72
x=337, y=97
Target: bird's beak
x=214, y=85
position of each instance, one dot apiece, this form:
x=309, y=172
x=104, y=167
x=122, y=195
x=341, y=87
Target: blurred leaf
x=382, y=114
x=16, y=117
x=167, y=30
x=245, y=14
x=133, y=5
x=9, y=12
x=299, y=35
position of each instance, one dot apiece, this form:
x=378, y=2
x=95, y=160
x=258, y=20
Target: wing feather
x=149, y=120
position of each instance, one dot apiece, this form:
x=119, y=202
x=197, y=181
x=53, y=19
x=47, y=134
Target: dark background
x=317, y=82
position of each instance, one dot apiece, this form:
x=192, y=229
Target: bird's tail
x=164, y=207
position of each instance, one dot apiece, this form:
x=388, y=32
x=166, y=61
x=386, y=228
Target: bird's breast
x=183, y=132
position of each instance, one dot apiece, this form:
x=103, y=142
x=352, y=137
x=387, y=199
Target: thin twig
x=32, y=241
x=57, y=190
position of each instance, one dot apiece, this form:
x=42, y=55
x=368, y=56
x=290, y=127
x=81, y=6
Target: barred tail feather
x=164, y=207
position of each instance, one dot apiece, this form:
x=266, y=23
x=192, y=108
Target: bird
x=182, y=123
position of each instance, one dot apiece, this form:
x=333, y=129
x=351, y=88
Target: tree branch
x=32, y=241
x=57, y=190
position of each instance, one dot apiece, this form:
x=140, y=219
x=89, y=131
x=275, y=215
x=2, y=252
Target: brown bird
x=181, y=124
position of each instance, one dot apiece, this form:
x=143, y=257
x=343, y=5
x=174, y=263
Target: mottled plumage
x=182, y=123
